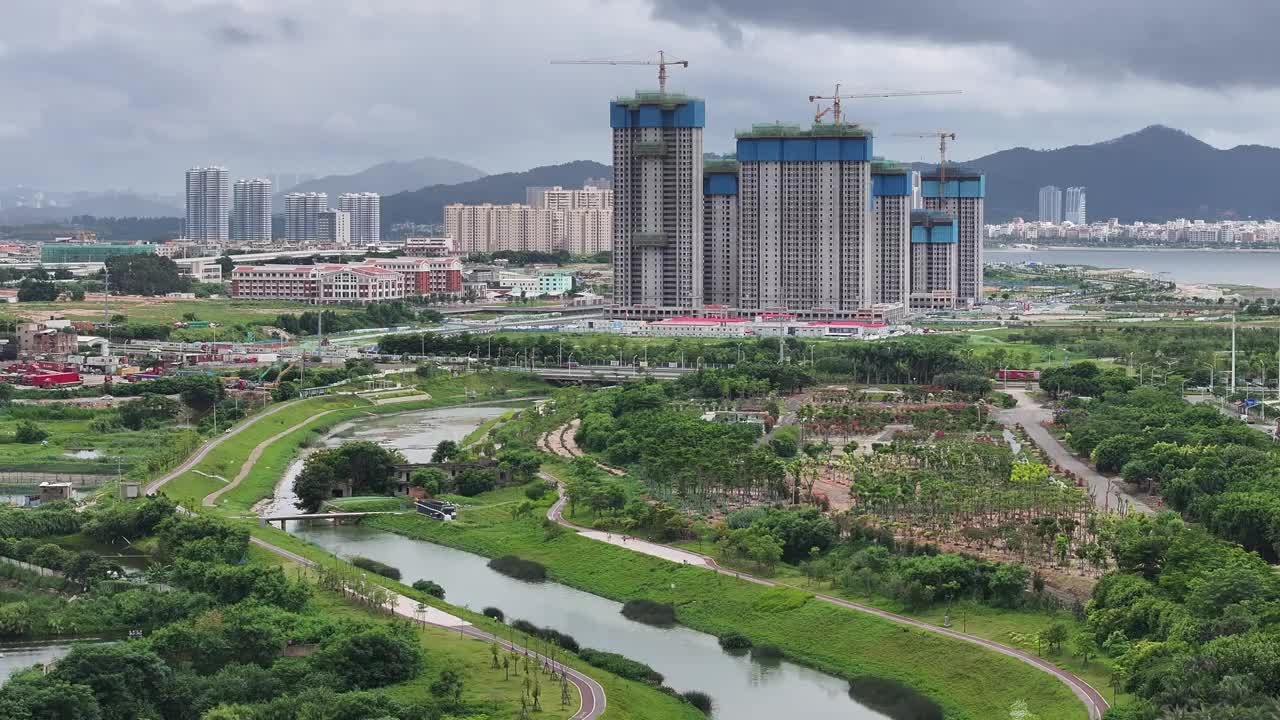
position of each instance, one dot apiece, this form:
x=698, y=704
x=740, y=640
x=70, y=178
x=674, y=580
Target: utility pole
x=1233, y=353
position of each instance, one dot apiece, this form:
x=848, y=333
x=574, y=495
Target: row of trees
x=1211, y=467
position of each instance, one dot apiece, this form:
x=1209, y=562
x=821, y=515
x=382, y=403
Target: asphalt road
x=1107, y=492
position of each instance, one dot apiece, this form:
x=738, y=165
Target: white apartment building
x=658, y=208
x=251, y=210
x=208, y=204
x=720, y=261
x=333, y=227
x=201, y=270
x=1075, y=209
x=806, y=235
x=1050, y=204
x=494, y=228
x=318, y=284
x=962, y=195
x=366, y=216
x=892, y=193
x=302, y=212
x=585, y=198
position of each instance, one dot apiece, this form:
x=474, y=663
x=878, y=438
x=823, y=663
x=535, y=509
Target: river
x=742, y=689
x=17, y=655
x=1260, y=268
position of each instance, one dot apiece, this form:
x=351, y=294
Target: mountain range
x=387, y=178
x=427, y=204
x=1155, y=174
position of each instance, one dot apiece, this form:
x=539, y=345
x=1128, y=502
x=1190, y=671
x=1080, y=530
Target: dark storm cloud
x=1196, y=43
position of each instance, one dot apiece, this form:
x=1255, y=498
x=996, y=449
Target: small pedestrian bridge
x=334, y=516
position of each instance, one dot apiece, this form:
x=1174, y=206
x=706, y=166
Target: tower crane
x=943, y=136
x=661, y=61
x=836, y=97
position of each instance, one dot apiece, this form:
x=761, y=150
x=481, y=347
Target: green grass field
x=117, y=450
x=162, y=310
x=967, y=681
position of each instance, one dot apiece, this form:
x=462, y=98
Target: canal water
x=742, y=689
x=15, y=656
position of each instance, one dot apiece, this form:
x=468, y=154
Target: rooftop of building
x=699, y=321
x=787, y=130
x=667, y=100
x=954, y=172
x=886, y=167
x=719, y=165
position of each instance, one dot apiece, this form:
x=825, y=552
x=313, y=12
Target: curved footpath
x=212, y=498
x=593, y=701
x=208, y=447
x=1093, y=700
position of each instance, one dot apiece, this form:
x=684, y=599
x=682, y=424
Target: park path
x=155, y=485
x=593, y=700
x=1092, y=699
x=1106, y=491
x=212, y=498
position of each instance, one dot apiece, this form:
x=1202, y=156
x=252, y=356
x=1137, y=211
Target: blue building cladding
x=803, y=149
x=890, y=185
x=669, y=112
x=964, y=187
x=932, y=227
x=720, y=184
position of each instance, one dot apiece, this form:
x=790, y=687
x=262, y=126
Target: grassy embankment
x=165, y=310
x=308, y=424
x=626, y=699
x=968, y=681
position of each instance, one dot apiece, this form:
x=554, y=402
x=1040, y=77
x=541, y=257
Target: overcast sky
x=129, y=93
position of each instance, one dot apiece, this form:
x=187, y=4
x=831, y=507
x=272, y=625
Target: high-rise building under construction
x=657, y=201
x=960, y=192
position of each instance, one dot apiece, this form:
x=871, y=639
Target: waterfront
x=1259, y=268
x=742, y=688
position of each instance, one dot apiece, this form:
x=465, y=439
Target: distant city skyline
x=93, y=108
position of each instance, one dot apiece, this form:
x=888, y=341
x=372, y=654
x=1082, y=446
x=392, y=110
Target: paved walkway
x=1106, y=491
x=208, y=447
x=212, y=498
x=591, y=693
x=1093, y=700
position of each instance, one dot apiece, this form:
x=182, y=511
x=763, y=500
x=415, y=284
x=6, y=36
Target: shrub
x=734, y=641
x=518, y=568
x=429, y=587
x=374, y=566
x=649, y=612
x=767, y=653
x=29, y=433
x=894, y=699
x=698, y=699
x=621, y=666
x=551, y=635
x=535, y=490
x=495, y=613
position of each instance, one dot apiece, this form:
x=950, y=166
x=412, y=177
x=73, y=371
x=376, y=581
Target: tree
x=145, y=275
x=150, y=411
x=431, y=480
x=1084, y=646
x=372, y=657
x=429, y=587
x=448, y=687
x=201, y=392
x=37, y=291
x=45, y=698
x=445, y=452
x=126, y=678
x=29, y=433
x=368, y=467
x=1055, y=635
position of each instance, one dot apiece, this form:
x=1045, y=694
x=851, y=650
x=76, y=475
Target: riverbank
x=967, y=681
